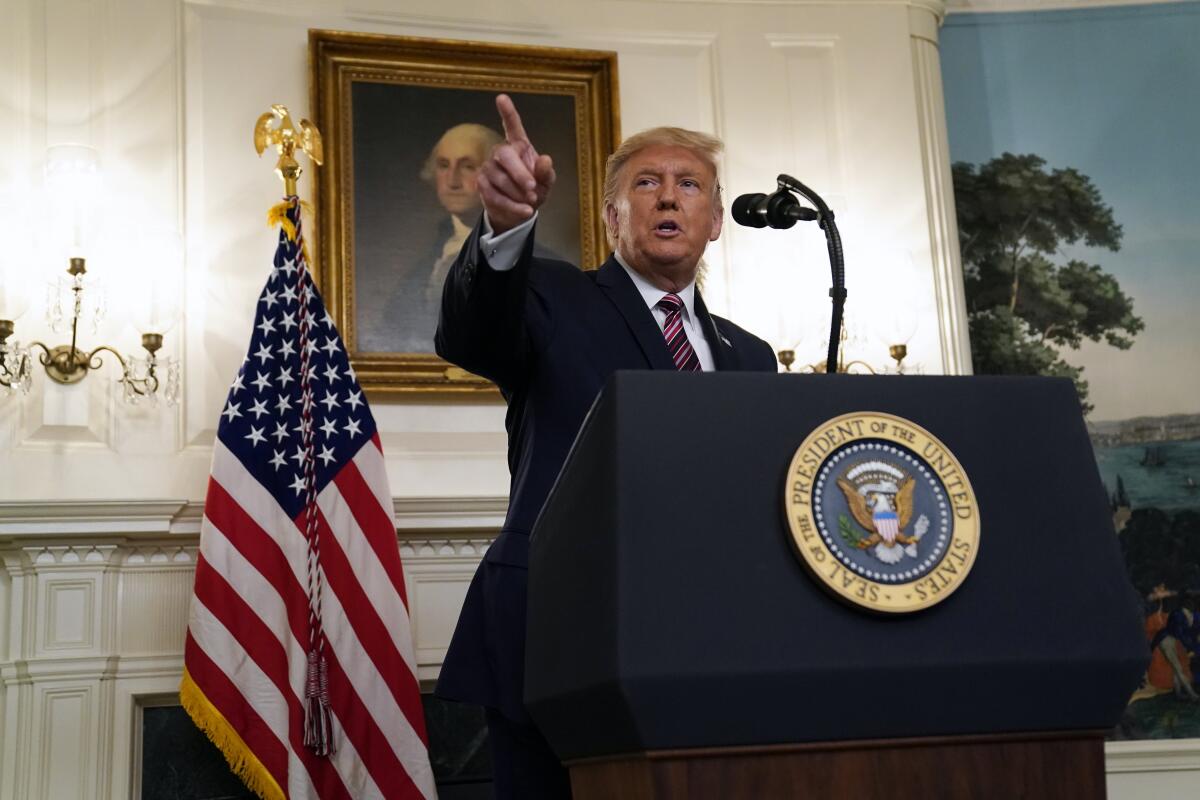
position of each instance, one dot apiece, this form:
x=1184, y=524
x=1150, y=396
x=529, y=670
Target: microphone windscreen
x=748, y=210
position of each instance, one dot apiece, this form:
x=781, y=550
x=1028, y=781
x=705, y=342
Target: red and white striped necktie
x=684, y=356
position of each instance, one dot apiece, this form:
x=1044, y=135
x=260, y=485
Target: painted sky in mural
x=1114, y=93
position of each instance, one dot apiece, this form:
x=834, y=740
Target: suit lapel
x=611, y=278
x=724, y=356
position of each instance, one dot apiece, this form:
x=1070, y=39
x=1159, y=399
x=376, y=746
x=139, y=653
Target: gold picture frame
x=383, y=217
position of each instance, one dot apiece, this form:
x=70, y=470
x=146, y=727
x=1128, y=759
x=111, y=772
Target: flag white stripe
x=378, y=699
x=371, y=465
x=260, y=595
x=363, y=673
x=260, y=506
x=257, y=690
x=368, y=571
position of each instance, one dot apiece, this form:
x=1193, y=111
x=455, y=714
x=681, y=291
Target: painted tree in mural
x=1024, y=305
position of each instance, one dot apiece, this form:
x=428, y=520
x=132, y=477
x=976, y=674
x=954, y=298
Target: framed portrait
x=406, y=124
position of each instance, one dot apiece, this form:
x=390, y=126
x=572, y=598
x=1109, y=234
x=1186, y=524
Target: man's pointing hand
x=515, y=181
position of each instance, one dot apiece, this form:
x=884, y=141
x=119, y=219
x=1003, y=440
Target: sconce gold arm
x=66, y=364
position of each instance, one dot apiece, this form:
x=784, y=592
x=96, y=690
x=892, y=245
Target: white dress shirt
x=503, y=251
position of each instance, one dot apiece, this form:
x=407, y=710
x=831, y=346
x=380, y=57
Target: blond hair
x=707, y=148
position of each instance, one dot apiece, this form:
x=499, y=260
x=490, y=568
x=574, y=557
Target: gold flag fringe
x=241, y=759
x=277, y=217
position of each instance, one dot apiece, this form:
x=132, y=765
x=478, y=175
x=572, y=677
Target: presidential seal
x=881, y=513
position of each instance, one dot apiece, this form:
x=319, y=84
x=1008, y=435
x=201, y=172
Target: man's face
x=456, y=162
x=665, y=213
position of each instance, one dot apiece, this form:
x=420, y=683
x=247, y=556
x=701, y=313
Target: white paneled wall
x=93, y=612
x=844, y=95
x=99, y=502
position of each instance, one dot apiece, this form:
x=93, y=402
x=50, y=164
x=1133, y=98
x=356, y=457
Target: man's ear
x=718, y=222
x=610, y=220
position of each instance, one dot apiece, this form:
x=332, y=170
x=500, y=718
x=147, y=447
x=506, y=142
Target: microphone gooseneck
x=782, y=210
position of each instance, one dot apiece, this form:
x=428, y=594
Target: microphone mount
x=782, y=210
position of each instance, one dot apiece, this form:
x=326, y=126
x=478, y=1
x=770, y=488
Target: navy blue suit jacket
x=549, y=335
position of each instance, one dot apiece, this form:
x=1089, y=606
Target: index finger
x=514, y=131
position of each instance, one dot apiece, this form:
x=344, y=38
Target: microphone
x=782, y=210
x=778, y=210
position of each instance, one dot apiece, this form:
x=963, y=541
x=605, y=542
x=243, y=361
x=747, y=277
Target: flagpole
x=298, y=659
x=318, y=719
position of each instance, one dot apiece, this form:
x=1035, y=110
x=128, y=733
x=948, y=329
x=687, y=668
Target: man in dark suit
x=550, y=335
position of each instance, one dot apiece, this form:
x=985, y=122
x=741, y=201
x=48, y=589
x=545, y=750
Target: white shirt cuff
x=502, y=251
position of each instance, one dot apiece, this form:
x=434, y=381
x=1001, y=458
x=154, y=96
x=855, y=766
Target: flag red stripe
x=371, y=743
x=376, y=523
x=257, y=547
x=227, y=699
x=369, y=628
x=260, y=644
x=264, y=554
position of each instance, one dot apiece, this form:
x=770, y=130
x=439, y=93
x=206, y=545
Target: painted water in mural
x=1075, y=171
x=1154, y=482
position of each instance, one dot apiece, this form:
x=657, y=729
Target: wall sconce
x=72, y=179
x=883, y=313
x=895, y=332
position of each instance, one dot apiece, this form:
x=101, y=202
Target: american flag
x=298, y=661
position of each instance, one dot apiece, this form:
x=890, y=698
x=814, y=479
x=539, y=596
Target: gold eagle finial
x=286, y=140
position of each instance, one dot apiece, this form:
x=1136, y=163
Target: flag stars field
x=277, y=408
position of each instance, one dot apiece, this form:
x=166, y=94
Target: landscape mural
x=1074, y=140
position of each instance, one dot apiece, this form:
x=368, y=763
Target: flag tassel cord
x=318, y=719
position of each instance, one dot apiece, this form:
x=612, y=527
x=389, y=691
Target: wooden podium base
x=1025, y=766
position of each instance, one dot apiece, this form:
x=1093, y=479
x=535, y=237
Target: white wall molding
x=450, y=513
x=1158, y=755
x=949, y=293
x=1008, y=6
x=136, y=520
x=935, y=6
x=98, y=517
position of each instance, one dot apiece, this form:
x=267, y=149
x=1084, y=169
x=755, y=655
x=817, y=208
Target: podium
x=679, y=648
